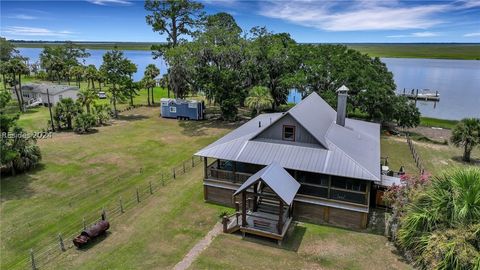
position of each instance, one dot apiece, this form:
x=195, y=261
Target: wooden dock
x=425, y=95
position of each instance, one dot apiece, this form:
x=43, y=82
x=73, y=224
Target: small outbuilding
x=36, y=94
x=182, y=109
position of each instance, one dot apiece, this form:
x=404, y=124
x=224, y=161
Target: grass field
x=434, y=122
x=436, y=51
x=396, y=50
x=308, y=247
x=81, y=173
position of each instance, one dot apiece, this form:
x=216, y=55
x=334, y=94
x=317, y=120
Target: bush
x=101, y=113
x=439, y=227
x=285, y=107
x=83, y=123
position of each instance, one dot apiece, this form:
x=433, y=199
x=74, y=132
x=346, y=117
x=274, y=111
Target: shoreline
x=383, y=50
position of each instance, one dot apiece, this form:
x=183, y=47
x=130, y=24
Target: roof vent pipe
x=259, y=123
x=342, y=93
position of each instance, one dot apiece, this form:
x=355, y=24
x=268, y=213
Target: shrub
x=440, y=225
x=83, y=123
x=102, y=114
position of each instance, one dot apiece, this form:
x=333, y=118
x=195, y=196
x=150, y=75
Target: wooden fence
x=416, y=156
x=39, y=257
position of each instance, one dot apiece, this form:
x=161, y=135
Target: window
x=173, y=109
x=349, y=184
x=288, y=133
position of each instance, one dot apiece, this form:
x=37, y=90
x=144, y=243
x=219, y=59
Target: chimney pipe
x=342, y=93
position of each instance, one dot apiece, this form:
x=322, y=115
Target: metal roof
x=349, y=151
x=278, y=179
x=53, y=89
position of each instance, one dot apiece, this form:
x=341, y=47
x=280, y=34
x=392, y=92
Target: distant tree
x=7, y=50
x=57, y=61
x=176, y=18
x=86, y=97
x=15, y=68
x=406, y=114
x=259, y=98
x=148, y=83
x=65, y=111
x=91, y=75
x=272, y=62
x=467, y=134
x=77, y=73
x=151, y=72
x=117, y=70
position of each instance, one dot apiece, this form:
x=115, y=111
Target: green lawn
x=434, y=157
x=80, y=174
x=440, y=51
x=434, y=122
x=307, y=247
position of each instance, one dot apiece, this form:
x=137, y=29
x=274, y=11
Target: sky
x=327, y=21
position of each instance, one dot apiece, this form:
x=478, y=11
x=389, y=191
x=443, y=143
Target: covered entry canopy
x=278, y=179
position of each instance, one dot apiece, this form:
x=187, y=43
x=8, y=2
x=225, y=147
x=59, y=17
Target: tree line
x=211, y=54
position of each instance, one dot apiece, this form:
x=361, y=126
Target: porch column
x=234, y=170
x=280, y=218
x=244, y=208
x=205, y=170
x=255, y=197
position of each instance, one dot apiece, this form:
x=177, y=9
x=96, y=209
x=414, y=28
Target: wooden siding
x=328, y=215
x=219, y=195
x=275, y=131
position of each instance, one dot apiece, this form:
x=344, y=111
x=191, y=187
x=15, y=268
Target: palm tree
x=91, y=75
x=151, y=71
x=467, y=134
x=65, y=111
x=86, y=97
x=77, y=73
x=441, y=224
x=259, y=98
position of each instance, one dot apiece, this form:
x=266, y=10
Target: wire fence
x=39, y=257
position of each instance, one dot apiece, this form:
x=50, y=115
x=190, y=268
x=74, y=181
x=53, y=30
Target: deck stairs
x=34, y=102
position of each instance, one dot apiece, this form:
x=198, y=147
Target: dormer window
x=288, y=133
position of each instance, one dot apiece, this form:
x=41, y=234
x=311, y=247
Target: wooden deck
x=258, y=223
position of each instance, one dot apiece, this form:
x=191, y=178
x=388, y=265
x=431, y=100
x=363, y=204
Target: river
x=457, y=81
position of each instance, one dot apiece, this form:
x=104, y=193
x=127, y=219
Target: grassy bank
x=434, y=122
x=437, y=51
x=408, y=50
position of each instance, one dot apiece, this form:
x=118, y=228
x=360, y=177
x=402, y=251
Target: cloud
x=22, y=17
x=356, y=16
x=476, y=34
x=417, y=34
x=111, y=2
x=468, y=3
x=35, y=31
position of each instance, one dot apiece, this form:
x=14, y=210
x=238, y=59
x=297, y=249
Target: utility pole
x=50, y=109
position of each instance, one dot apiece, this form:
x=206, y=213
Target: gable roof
x=277, y=178
x=352, y=150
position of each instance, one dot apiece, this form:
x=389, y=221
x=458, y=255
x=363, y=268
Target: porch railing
x=219, y=174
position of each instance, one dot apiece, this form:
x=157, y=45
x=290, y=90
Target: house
x=36, y=94
x=309, y=163
x=182, y=109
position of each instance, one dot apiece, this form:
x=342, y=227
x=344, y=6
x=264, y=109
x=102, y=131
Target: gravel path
x=199, y=247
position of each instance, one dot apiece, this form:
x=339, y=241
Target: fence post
x=173, y=173
x=150, y=185
x=163, y=180
x=104, y=214
x=60, y=241
x=138, y=196
x=32, y=258
x=84, y=223
x=121, y=205
x=193, y=163
x=183, y=167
